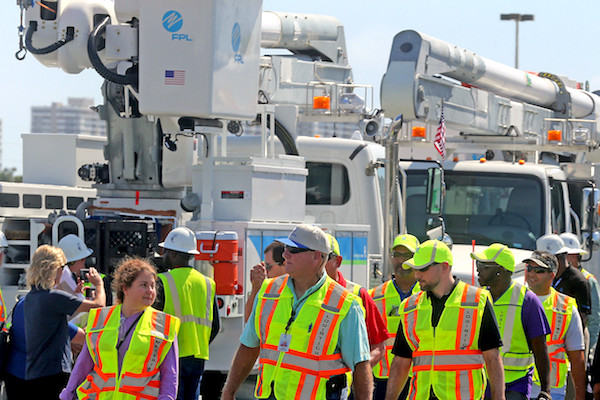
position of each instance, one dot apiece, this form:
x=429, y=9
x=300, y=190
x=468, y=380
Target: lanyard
x=129, y=330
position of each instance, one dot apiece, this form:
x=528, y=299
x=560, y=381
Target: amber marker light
x=321, y=103
x=554, y=135
x=419, y=132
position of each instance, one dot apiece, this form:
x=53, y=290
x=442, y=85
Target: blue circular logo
x=236, y=37
x=172, y=21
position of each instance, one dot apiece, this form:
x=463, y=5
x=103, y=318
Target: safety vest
x=2, y=308
x=139, y=377
x=586, y=274
x=353, y=287
x=302, y=371
x=387, y=299
x=516, y=355
x=559, y=311
x=446, y=359
x=190, y=296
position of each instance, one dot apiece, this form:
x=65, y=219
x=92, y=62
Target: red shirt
x=376, y=328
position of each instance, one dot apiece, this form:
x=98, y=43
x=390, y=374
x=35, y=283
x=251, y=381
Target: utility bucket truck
x=520, y=147
x=182, y=81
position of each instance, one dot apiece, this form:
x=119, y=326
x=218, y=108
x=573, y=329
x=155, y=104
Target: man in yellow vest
x=566, y=337
x=388, y=297
x=448, y=336
x=376, y=328
x=308, y=330
x=522, y=322
x=187, y=294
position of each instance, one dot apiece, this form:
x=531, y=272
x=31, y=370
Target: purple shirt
x=168, y=368
x=535, y=324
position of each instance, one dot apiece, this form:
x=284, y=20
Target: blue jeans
x=190, y=376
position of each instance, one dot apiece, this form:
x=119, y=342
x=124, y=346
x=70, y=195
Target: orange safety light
x=554, y=135
x=321, y=103
x=455, y=159
x=428, y=158
x=482, y=160
x=419, y=132
x=521, y=161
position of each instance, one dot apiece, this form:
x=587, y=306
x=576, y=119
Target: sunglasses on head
x=536, y=269
x=295, y=250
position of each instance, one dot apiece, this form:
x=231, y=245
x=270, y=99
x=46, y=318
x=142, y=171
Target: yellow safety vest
x=139, y=377
x=190, y=296
x=446, y=358
x=302, y=371
x=559, y=311
x=516, y=354
x=586, y=274
x=388, y=301
x=353, y=287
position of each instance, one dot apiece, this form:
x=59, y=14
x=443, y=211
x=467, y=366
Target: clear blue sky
x=563, y=40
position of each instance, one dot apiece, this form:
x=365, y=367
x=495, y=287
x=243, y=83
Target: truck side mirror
x=590, y=200
x=435, y=190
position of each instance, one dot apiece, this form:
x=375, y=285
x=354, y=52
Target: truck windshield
x=493, y=208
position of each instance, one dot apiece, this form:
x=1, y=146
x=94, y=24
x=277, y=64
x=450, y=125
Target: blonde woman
x=130, y=349
x=49, y=357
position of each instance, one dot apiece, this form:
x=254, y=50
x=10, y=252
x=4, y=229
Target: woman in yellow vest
x=131, y=348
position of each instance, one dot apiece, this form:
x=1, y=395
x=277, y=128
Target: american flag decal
x=174, y=77
x=440, y=137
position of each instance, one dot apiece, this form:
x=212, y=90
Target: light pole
x=517, y=18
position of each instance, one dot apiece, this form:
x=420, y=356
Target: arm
x=258, y=273
x=377, y=351
x=100, y=300
x=495, y=370
x=240, y=369
x=216, y=323
x=363, y=381
x=398, y=376
x=83, y=366
x=594, y=317
x=542, y=361
x=577, y=360
x=169, y=373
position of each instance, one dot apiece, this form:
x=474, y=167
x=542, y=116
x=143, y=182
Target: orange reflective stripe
x=300, y=387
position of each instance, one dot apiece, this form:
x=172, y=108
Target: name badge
x=284, y=343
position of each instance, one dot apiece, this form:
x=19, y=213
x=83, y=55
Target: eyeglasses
x=295, y=250
x=332, y=256
x=425, y=269
x=536, y=269
x=268, y=266
x=398, y=255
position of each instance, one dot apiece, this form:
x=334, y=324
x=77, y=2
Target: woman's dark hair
x=277, y=248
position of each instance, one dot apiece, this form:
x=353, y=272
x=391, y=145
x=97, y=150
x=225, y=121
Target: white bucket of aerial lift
x=52, y=27
x=74, y=248
x=197, y=58
x=181, y=239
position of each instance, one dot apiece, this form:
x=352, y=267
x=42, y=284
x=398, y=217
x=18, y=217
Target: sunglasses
x=399, y=255
x=537, y=270
x=295, y=250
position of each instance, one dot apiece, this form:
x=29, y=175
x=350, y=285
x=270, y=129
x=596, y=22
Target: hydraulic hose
x=104, y=72
x=70, y=35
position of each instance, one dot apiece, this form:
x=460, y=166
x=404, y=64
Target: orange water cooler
x=221, y=250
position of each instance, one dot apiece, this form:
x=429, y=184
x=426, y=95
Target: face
x=57, y=276
x=273, y=269
x=539, y=279
x=487, y=273
x=142, y=292
x=300, y=263
x=429, y=277
x=333, y=263
x=399, y=255
x=76, y=266
x=573, y=259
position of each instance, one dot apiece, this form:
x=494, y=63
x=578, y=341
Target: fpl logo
x=172, y=21
x=236, y=40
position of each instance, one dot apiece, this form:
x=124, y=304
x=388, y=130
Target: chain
x=22, y=49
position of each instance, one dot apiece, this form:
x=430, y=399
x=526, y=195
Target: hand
x=95, y=278
x=79, y=288
x=544, y=396
x=257, y=276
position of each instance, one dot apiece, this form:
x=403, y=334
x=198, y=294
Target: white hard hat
x=3, y=242
x=74, y=248
x=551, y=243
x=572, y=242
x=181, y=239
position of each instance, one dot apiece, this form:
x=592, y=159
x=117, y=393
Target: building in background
x=76, y=117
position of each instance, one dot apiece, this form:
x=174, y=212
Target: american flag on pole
x=440, y=137
x=174, y=77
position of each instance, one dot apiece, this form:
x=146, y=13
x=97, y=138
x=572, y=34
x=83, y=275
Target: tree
x=8, y=175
